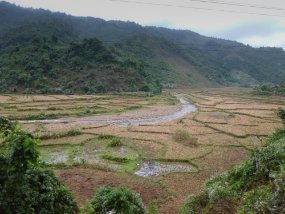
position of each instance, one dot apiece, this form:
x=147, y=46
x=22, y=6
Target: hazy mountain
x=141, y=56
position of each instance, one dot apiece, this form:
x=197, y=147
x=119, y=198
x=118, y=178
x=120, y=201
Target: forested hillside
x=47, y=52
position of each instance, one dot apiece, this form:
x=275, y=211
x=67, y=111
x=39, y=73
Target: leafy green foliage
x=255, y=170
x=108, y=156
x=256, y=200
x=40, y=116
x=281, y=114
x=6, y=126
x=22, y=153
x=116, y=200
x=278, y=134
x=277, y=200
x=256, y=182
x=115, y=142
x=41, y=63
x=194, y=204
x=38, y=191
x=25, y=186
x=73, y=132
x=263, y=90
x=268, y=198
x=106, y=137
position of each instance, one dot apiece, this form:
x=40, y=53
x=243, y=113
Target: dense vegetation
x=42, y=63
x=26, y=186
x=265, y=89
x=48, y=52
x=116, y=200
x=255, y=186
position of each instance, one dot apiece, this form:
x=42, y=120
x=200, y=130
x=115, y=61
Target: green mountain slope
x=177, y=58
x=36, y=61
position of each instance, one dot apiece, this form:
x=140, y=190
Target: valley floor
x=152, y=160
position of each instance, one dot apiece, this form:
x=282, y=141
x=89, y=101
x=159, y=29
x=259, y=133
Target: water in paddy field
x=153, y=169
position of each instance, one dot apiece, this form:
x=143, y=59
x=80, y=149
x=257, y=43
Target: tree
x=6, y=126
x=25, y=185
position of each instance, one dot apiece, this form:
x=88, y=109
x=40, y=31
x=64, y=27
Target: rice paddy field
x=166, y=161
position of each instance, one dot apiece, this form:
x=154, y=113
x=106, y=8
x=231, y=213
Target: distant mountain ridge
x=153, y=55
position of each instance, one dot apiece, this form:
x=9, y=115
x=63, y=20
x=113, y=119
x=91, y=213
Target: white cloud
x=275, y=40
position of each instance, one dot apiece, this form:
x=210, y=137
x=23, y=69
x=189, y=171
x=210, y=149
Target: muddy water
x=185, y=108
x=153, y=168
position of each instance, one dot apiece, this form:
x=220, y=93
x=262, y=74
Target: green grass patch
x=41, y=116
x=106, y=137
x=54, y=135
x=115, y=142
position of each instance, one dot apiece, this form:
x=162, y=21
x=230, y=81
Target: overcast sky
x=239, y=20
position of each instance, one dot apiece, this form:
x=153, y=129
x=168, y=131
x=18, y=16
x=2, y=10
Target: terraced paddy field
x=163, y=161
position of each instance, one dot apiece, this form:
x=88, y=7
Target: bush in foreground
x=25, y=185
x=255, y=186
x=116, y=200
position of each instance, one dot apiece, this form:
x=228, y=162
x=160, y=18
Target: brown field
x=58, y=106
x=227, y=125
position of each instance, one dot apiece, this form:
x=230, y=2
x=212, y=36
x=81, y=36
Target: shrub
x=281, y=114
x=277, y=135
x=73, y=132
x=116, y=200
x=256, y=200
x=256, y=170
x=183, y=136
x=115, y=142
x=219, y=187
x=194, y=204
x=278, y=202
x=40, y=116
x=105, y=137
x=258, y=184
x=108, y=156
x=263, y=90
x=53, y=135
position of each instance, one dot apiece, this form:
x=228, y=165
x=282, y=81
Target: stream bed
x=184, y=108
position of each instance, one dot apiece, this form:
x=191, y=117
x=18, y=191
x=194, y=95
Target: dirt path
x=151, y=115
